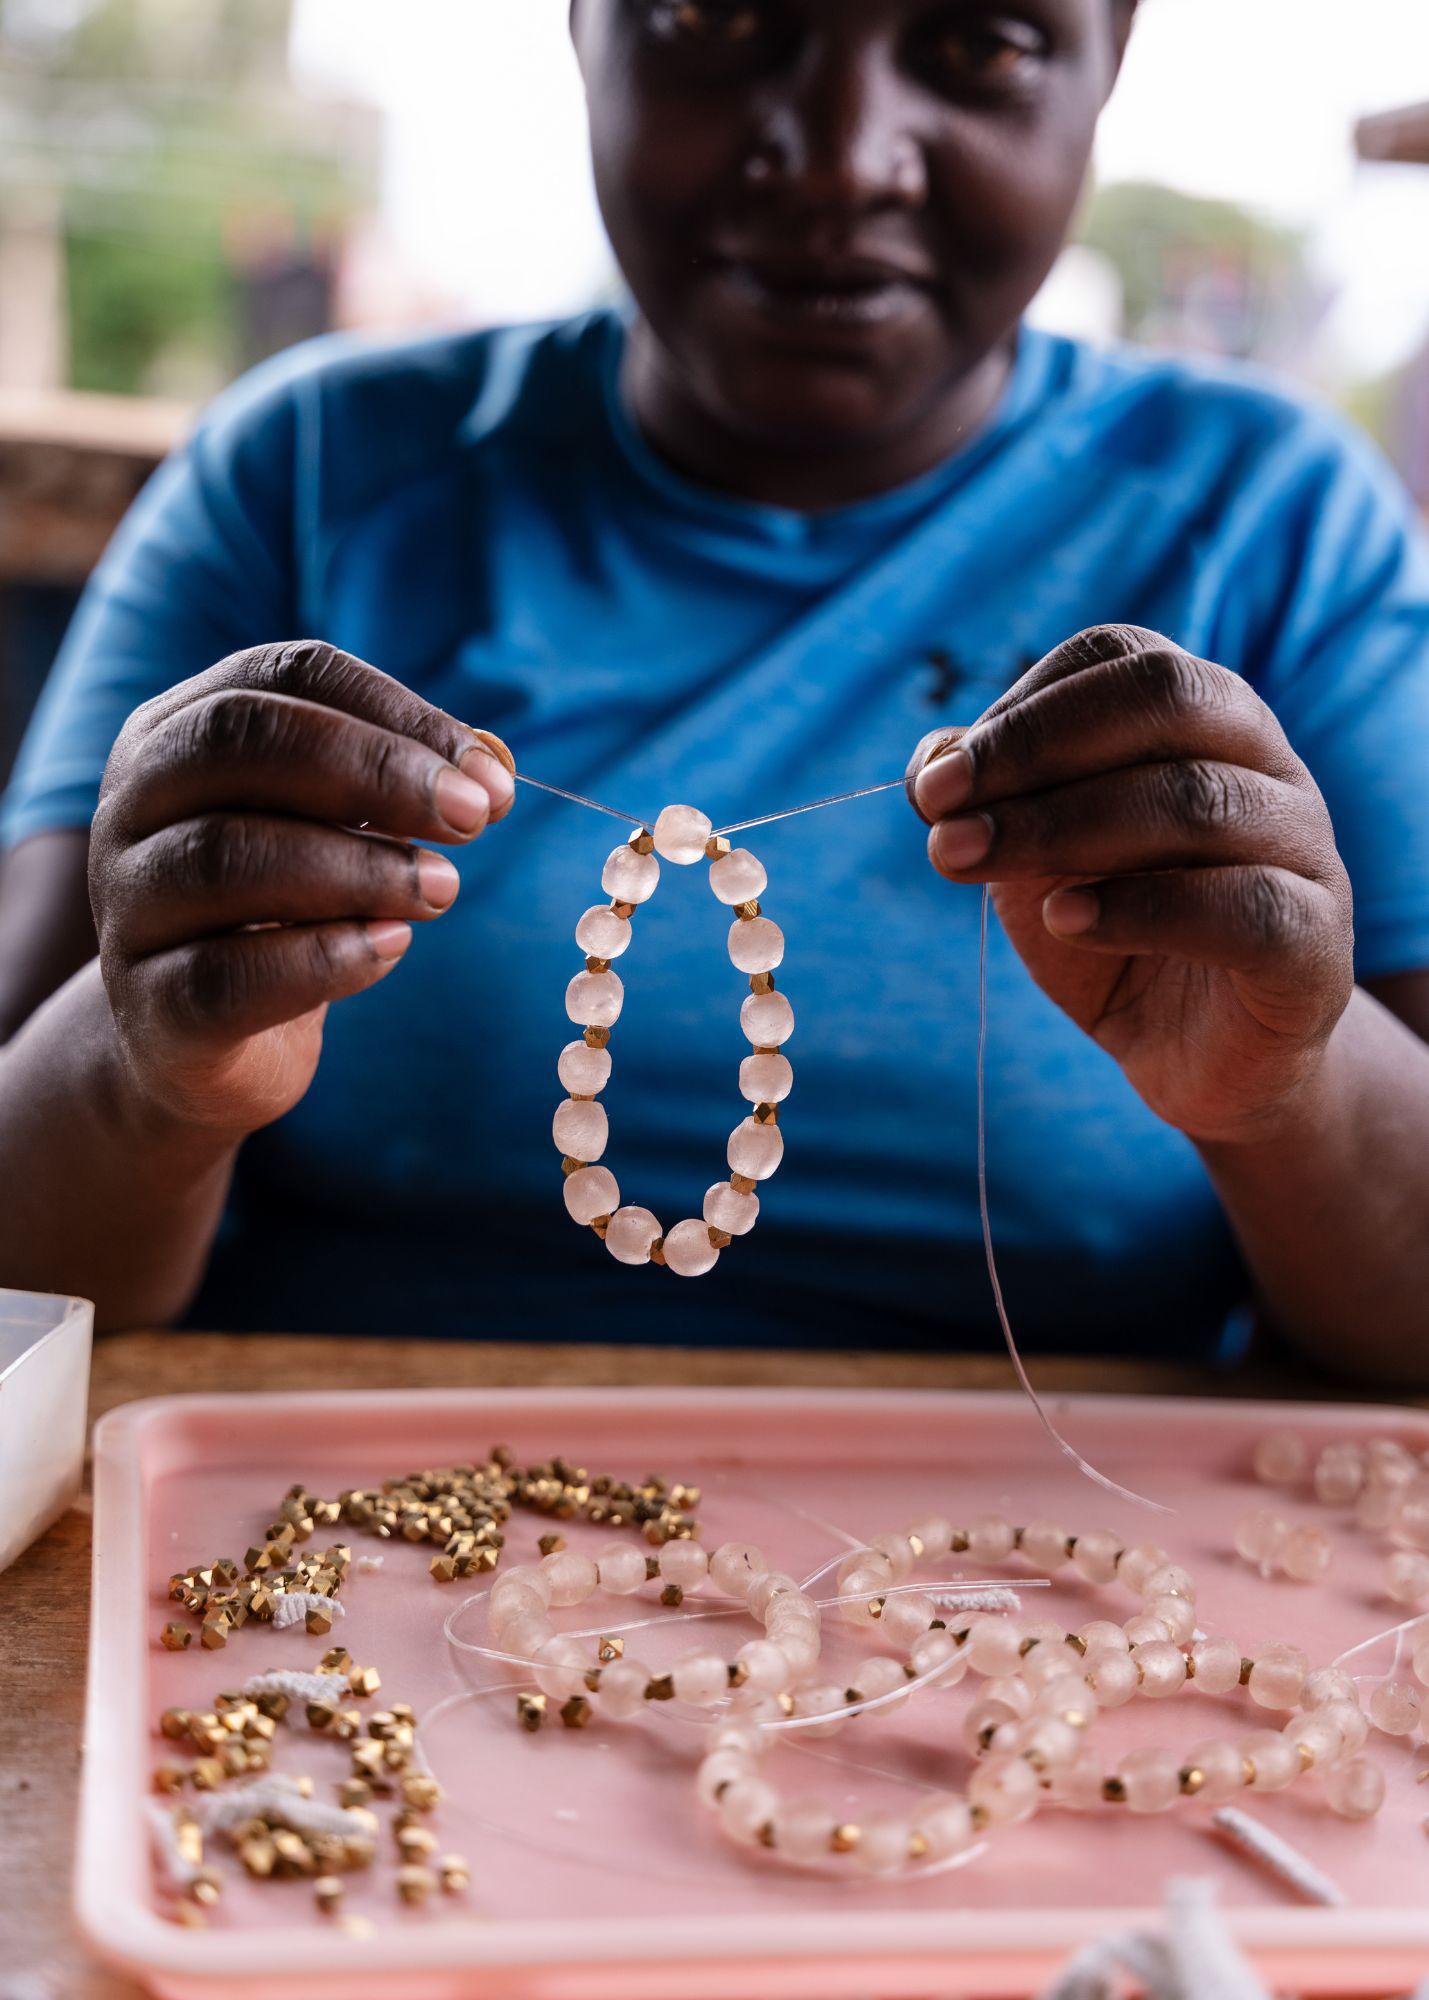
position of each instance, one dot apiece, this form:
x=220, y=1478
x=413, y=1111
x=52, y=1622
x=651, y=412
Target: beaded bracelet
x=594, y=1000
x=616, y=1688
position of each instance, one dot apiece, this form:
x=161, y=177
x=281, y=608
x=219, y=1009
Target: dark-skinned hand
x=1164, y=865
x=235, y=896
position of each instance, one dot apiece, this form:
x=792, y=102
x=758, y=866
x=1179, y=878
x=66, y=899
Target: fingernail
x=388, y=939
x=958, y=843
x=944, y=784
x=438, y=881
x=462, y=803
x=492, y=775
x=1069, y=912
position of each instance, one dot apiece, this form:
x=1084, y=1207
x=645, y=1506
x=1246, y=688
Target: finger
x=236, y=751
x=1239, y=919
x=1145, y=817
x=219, y=991
x=1155, y=705
x=311, y=670
x=205, y=876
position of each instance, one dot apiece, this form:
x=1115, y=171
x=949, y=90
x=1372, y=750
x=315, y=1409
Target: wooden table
x=44, y=1597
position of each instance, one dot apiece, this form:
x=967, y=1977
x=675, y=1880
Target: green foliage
x=173, y=139
x=1158, y=239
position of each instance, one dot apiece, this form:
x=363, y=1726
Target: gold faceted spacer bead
x=611, y=1649
x=643, y=840
x=1307, y=1756
x=550, y=1545
x=176, y=1638
x=328, y=1892
x=1247, y=1770
x=1190, y=1780
x=1114, y=1791
x=570, y=1166
x=738, y=1673
x=716, y=847
x=761, y=982
x=1245, y=1671
x=844, y=1839
x=577, y=1712
x=626, y=910
x=531, y=1710
x=597, y=964
x=661, y=1688
x=747, y=911
x=917, y=1846
x=742, y=1184
x=596, y=1038
x=766, y=1114
x=719, y=1238
x=601, y=1226
x=657, y=1250
x=672, y=1595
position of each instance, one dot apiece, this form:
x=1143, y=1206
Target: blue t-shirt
x=478, y=516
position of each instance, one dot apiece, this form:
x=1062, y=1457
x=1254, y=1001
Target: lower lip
x=867, y=309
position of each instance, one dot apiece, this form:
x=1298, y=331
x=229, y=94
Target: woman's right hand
x=235, y=896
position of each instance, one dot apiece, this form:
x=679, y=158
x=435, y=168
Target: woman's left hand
x=1165, y=866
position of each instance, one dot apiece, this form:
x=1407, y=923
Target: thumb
x=937, y=743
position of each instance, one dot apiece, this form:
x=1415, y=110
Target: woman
x=820, y=499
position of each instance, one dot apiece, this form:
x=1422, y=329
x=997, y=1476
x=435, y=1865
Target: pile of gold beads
x=465, y=1508
x=234, y=1740
x=223, y=1597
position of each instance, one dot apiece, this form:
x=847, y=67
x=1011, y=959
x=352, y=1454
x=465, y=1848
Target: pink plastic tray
x=594, y=1876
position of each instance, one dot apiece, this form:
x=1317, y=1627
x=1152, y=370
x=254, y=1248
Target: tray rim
x=1326, y=1945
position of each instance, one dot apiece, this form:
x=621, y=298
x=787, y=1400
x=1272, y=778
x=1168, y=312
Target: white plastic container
x=44, y=1397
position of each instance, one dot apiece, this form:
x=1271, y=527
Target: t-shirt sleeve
x=1328, y=617
x=201, y=565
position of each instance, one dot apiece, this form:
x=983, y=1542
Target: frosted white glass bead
x=590, y=1193
x=630, y=877
x=682, y=834
x=1176, y=1614
x=1406, y=1576
x=738, y=877
x=735, y=1567
x=934, y=1650
x=1044, y=1545
x=1217, y=1664
x=573, y=1577
x=688, y=1250
x=946, y=1824
x=702, y=1680
x=990, y=1539
x=1355, y=1791
x=1138, y=1563
x=1280, y=1458
x=756, y=946
x=907, y=1616
x=1162, y=1668
x=561, y=1666
x=882, y=1847
x=755, y=1150
x=994, y=1646
x=621, y=1693
x=1006, y=1789
x=1306, y=1553
x=1259, y=1538
x=746, y=1808
x=727, y=1209
x=583, y=1070
x=1094, y=1557
x=594, y=999
x=935, y=1532
x=581, y=1131
x=1277, y=1763
x=1394, y=1707
x=766, y=1018
x=765, y=1664
x=630, y=1235
x=622, y=1569
x=602, y=933
x=802, y=1829
x=684, y=1563
x=766, y=1079
x=879, y=1677
x=1325, y=1685
x=899, y=1552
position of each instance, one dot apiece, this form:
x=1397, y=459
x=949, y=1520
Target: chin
x=808, y=402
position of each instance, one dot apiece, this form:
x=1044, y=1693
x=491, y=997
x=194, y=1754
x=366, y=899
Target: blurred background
x=187, y=186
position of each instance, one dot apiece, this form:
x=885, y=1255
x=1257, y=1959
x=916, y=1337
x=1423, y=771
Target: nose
x=837, y=139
